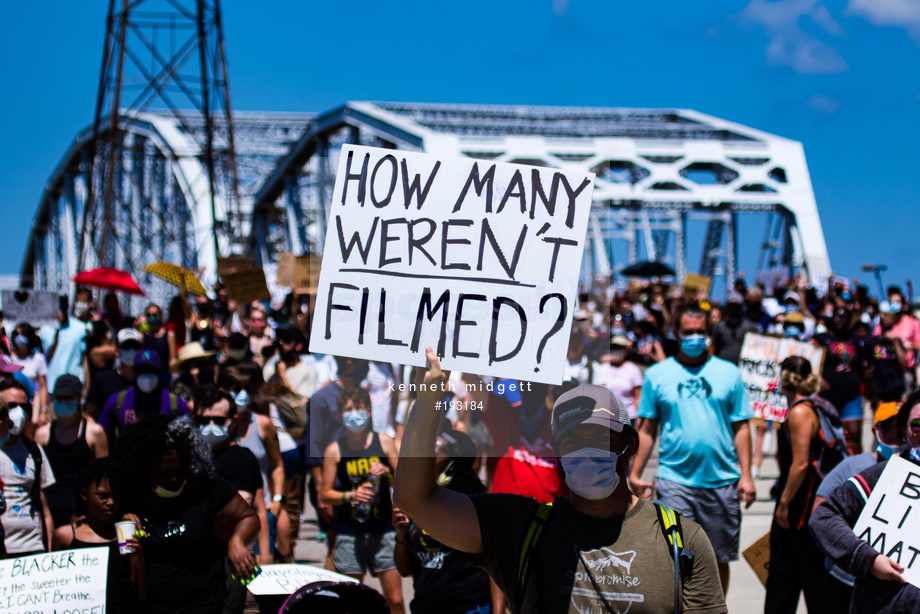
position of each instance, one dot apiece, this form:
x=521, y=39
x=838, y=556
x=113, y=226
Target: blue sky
x=841, y=76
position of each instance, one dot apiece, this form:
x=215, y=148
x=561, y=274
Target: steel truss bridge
x=658, y=171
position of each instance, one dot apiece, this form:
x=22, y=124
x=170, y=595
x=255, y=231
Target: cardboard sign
x=285, y=579
x=53, y=583
x=34, y=307
x=230, y=264
x=694, y=284
x=480, y=260
x=301, y=273
x=890, y=522
x=758, y=557
x=760, y=360
x=246, y=286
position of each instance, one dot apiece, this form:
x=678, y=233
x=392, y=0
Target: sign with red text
x=53, y=583
x=890, y=522
x=478, y=259
x=761, y=357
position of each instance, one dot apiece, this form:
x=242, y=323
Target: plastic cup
x=125, y=530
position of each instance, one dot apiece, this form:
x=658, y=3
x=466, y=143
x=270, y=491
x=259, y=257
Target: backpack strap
x=173, y=402
x=669, y=521
x=532, y=540
x=119, y=402
x=36, y=493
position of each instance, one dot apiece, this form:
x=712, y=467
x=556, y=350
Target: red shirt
x=525, y=468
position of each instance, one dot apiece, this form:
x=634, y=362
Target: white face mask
x=215, y=434
x=18, y=418
x=241, y=399
x=147, y=382
x=591, y=473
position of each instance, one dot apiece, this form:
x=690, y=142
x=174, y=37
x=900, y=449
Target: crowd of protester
x=211, y=426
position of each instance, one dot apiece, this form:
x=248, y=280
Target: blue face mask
x=65, y=408
x=793, y=331
x=846, y=296
x=355, y=420
x=885, y=451
x=693, y=345
x=895, y=307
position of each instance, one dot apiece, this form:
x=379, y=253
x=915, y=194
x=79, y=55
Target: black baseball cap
x=68, y=386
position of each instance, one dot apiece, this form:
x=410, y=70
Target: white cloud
x=900, y=13
x=789, y=44
x=560, y=7
x=823, y=104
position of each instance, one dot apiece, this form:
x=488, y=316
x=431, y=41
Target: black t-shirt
x=185, y=561
x=354, y=469
x=838, y=372
x=238, y=465
x=729, y=339
x=104, y=385
x=443, y=578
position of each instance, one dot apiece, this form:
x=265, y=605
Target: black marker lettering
x=515, y=189
x=459, y=323
x=556, y=243
x=911, y=488
x=393, y=173
x=363, y=249
x=330, y=305
x=497, y=304
x=361, y=178
x=381, y=323
x=426, y=312
x=478, y=184
x=537, y=190
x=410, y=188
x=418, y=243
x=385, y=238
x=361, y=324
x=488, y=234
x=570, y=216
x=445, y=241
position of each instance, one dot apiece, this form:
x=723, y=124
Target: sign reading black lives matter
x=890, y=521
x=479, y=260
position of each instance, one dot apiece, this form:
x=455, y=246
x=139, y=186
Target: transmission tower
x=161, y=57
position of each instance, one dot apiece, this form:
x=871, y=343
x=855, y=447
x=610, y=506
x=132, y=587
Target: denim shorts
x=717, y=510
x=356, y=553
x=853, y=410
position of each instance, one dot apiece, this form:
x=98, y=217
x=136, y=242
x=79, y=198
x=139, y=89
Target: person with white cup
x=99, y=506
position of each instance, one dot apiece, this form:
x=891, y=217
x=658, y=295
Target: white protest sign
x=479, y=260
x=34, y=307
x=55, y=583
x=285, y=579
x=890, y=522
x=760, y=366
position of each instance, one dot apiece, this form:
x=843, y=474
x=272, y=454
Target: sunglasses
x=914, y=426
x=22, y=405
x=218, y=420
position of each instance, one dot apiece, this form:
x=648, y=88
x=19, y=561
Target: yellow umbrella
x=177, y=276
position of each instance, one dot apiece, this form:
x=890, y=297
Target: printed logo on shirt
x=431, y=560
x=696, y=388
x=600, y=584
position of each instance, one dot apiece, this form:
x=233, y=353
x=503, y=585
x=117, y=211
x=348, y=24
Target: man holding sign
x=881, y=503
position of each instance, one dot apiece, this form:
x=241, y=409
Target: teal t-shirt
x=696, y=407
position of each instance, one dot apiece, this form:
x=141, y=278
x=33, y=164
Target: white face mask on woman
x=147, y=382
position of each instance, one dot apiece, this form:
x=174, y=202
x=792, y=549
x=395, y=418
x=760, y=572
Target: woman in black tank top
x=126, y=586
x=70, y=442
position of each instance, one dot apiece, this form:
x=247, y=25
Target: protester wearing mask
x=324, y=426
x=569, y=568
x=193, y=519
x=158, y=339
x=70, y=441
x=704, y=467
x=892, y=440
x=728, y=335
x=906, y=328
x=236, y=350
x=879, y=585
x=621, y=377
x=25, y=474
x=259, y=332
x=64, y=347
x=112, y=381
x=366, y=538
x=884, y=361
x=215, y=415
x=34, y=367
x=192, y=368
x=144, y=399
x=443, y=580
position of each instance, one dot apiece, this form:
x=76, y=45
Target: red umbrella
x=109, y=278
